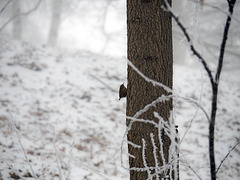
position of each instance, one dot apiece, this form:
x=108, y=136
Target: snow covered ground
x=194, y=83
x=62, y=108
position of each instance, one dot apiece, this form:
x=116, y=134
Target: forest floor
x=60, y=116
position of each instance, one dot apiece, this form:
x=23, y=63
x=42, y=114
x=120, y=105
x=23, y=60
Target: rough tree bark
x=149, y=35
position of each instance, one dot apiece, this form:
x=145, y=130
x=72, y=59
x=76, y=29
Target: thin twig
x=21, y=145
x=87, y=166
x=227, y=156
x=155, y=83
x=56, y=153
x=155, y=155
x=214, y=82
x=69, y=161
x=20, y=14
x=217, y=8
x=197, y=104
x=194, y=116
x=102, y=82
x=5, y=6
x=189, y=166
x=195, y=52
x=144, y=159
x=13, y=169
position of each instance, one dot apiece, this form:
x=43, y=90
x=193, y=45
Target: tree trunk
x=55, y=22
x=149, y=30
x=17, y=23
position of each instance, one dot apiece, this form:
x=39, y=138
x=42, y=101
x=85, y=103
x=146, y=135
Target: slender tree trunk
x=149, y=30
x=55, y=22
x=231, y=4
x=17, y=23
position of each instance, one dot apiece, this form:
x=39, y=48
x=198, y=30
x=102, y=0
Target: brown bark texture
x=149, y=33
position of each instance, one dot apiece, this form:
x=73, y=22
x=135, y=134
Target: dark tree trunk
x=149, y=30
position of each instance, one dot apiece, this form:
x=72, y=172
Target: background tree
x=55, y=22
x=149, y=35
x=99, y=26
x=17, y=24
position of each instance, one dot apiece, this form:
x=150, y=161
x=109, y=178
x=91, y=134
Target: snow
x=64, y=101
x=194, y=146
x=70, y=100
x=43, y=90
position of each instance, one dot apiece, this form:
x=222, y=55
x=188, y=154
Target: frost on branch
x=168, y=165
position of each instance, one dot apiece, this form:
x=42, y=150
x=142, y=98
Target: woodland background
x=61, y=65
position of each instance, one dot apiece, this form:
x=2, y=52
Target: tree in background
x=200, y=40
x=149, y=33
x=17, y=24
x=55, y=22
x=16, y=17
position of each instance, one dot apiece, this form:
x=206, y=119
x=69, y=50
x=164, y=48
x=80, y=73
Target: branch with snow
x=56, y=153
x=69, y=161
x=144, y=160
x=21, y=145
x=155, y=83
x=192, y=47
x=169, y=129
x=162, y=126
x=163, y=97
x=205, y=3
x=214, y=81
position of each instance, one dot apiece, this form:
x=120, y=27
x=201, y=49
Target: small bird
x=122, y=91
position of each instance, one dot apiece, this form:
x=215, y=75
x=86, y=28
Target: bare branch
x=197, y=104
x=56, y=153
x=13, y=169
x=189, y=166
x=20, y=14
x=227, y=156
x=102, y=82
x=144, y=159
x=69, y=161
x=214, y=82
x=155, y=83
x=224, y=40
x=155, y=155
x=215, y=93
x=5, y=6
x=218, y=9
x=21, y=145
x=195, y=52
